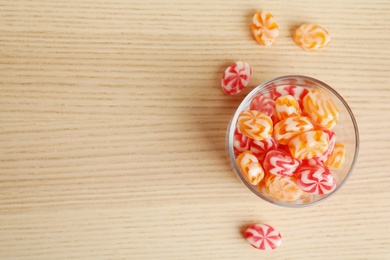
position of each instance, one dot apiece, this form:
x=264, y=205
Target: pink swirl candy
x=297, y=92
x=316, y=179
x=279, y=162
x=260, y=147
x=262, y=236
x=236, y=77
x=241, y=142
x=266, y=105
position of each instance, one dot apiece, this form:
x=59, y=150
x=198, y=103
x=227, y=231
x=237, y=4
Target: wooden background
x=112, y=129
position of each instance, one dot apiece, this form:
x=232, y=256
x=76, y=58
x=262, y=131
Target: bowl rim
x=232, y=127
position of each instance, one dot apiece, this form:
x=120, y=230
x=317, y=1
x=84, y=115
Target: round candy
x=290, y=127
x=255, y=124
x=311, y=37
x=236, y=77
x=284, y=189
x=260, y=147
x=250, y=167
x=309, y=144
x=241, y=142
x=265, y=105
x=332, y=140
x=297, y=92
x=287, y=106
x=262, y=236
x=337, y=157
x=279, y=162
x=316, y=179
x=321, y=109
x=265, y=29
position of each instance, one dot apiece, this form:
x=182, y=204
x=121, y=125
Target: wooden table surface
x=113, y=127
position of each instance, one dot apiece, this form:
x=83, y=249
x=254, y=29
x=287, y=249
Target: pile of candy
x=284, y=142
x=285, y=145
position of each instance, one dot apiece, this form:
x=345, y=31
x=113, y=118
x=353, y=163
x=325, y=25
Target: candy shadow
x=242, y=228
x=292, y=29
x=248, y=20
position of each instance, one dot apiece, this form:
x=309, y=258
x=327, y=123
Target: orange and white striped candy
x=255, y=124
x=311, y=37
x=287, y=106
x=337, y=157
x=309, y=144
x=288, y=128
x=265, y=29
x=321, y=109
x=281, y=188
x=250, y=167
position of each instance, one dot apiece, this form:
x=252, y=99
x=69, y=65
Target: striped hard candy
x=265, y=29
x=250, y=167
x=311, y=37
x=236, y=77
x=316, y=179
x=255, y=124
x=309, y=144
x=262, y=236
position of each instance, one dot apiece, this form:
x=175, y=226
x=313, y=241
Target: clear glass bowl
x=346, y=131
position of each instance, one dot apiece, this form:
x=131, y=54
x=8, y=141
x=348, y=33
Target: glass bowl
x=346, y=132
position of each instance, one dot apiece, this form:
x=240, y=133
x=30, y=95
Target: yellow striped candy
x=321, y=109
x=287, y=106
x=281, y=188
x=309, y=144
x=290, y=127
x=250, y=167
x=265, y=29
x=255, y=124
x=337, y=157
x=311, y=37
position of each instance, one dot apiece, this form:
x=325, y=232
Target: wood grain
x=113, y=126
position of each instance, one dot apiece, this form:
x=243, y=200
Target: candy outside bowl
x=346, y=132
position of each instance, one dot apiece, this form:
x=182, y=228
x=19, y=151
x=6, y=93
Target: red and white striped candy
x=316, y=179
x=262, y=236
x=332, y=142
x=279, y=162
x=241, y=142
x=265, y=105
x=236, y=77
x=297, y=92
x=260, y=147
